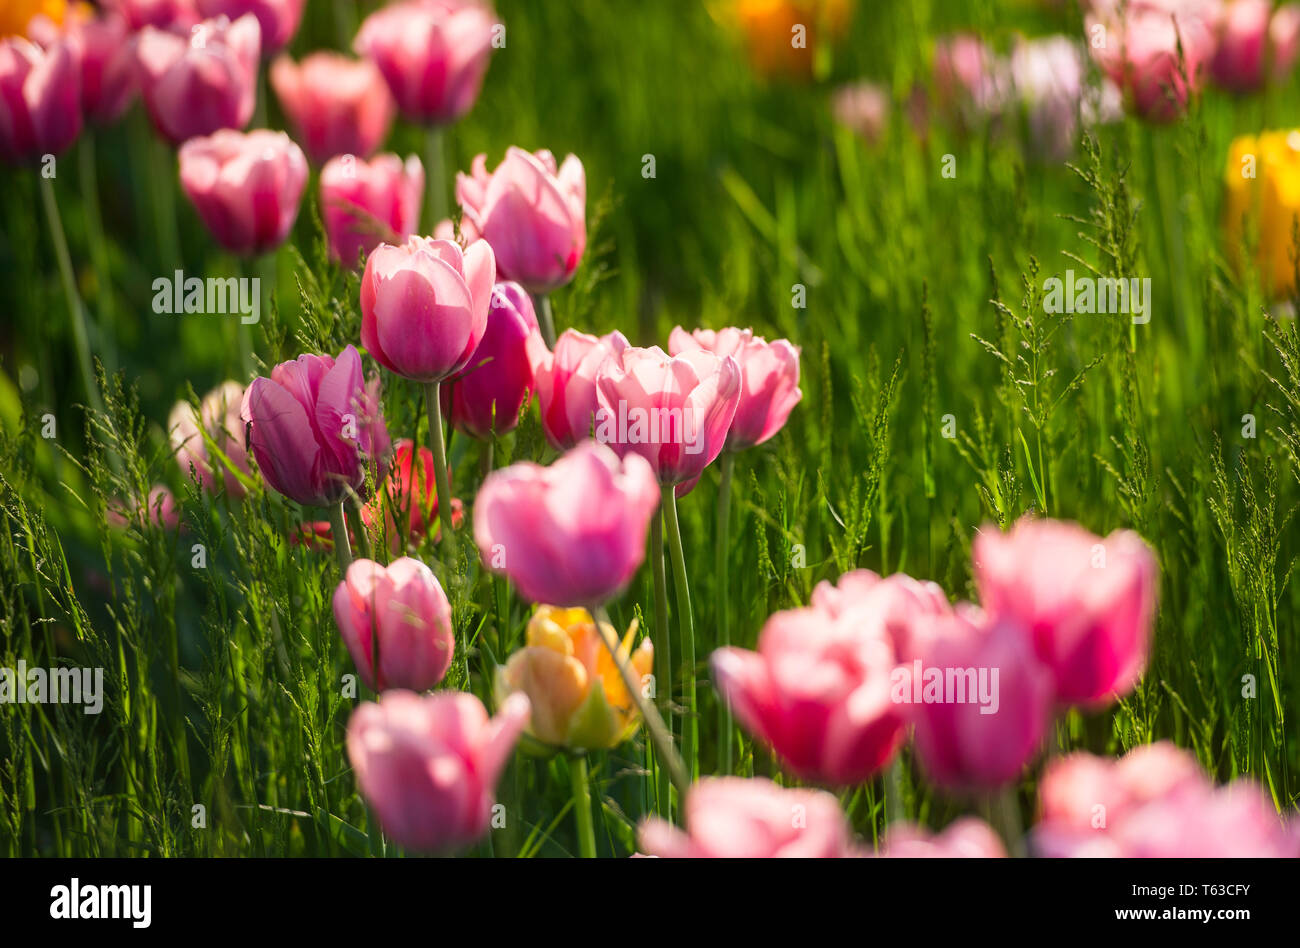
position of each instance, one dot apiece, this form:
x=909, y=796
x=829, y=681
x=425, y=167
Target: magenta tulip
x=194, y=85
x=335, y=105
x=40, y=98
x=488, y=394
x=738, y=818
x=532, y=213
x=316, y=428
x=572, y=534
x=368, y=203
x=434, y=54
x=1155, y=802
x=817, y=692
x=218, y=418
x=1088, y=603
x=424, y=306
x=967, y=838
x=403, y=606
x=176, y=15
x=566, y=385
x=278, y=19
x=245, y=186
x=673, y=411
x=429, y=765
x=979, y=699
x=769, y=379
x=1256, y=43
x=106, y=55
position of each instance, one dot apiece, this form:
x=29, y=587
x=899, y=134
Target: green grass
x=923, y=300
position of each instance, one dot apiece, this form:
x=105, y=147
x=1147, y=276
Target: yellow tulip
x=578, y=696
x=1263, y=195
x=15, y=15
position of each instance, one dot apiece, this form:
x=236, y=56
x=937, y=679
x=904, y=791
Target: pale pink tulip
x=566, y=385
x=967, y=838
x=335, y=105
x=218, y=417
x=278, y=19
x=368, y=203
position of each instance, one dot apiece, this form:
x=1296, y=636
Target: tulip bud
x=40, y=98
x=368, y=203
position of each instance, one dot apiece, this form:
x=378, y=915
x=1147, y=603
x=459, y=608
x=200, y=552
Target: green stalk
x=358, y=526
x=582, y=806
x=434, y=408
x=663, y=650
x=162, y=188
x=435, y=174
x=691, y=727
x=76, y=312
x=728, y=463
x=1004, y=815
x=546, y=318
x=339, y=533
x=98, y=249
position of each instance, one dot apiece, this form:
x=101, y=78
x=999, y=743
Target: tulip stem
x=1004, y=814
x=98, y=249
x=358, y=523
x=582, y=806
x=76, y=311
x=339, y=534
x=654, y=722
x=546, y=318
x=691, y=726
x=433, y=406
x=163, y=190
x=728, y=463
x=435, y=174
x=663, y=649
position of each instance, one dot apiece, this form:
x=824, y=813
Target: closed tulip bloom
x=407, y=496
x=566, y=385
x=532, y=213
x=105, y=54
x=983, y=701
x=335, y=105
x=176, y=15
x=429, y=765
x=1088, y=603
x=434, y=54
x=881, y=607
x=1141, y=52
x=572, y=534
x=1261, y=203
x=218, y=418
x=278, y=19
x=967, y=838
x=403, y=607
x=578, y=696
x=245, y=186
x=1155, y=802
x=368, y=203
x=1255, y=44
x=40, y=98
x=194, y=85
x=739, y=818
x=488, y=394
x=424, y=306
x=769, y=379
x=674, y=411
x=316, y=427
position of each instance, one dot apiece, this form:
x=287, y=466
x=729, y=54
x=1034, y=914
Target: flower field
x=685, y=428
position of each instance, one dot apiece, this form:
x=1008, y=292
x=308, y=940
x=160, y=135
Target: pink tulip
x=572, y=534
x=738, y=818
x=445, y=230
x=769, y=379
x=245, y=186
x=106, y=55
x=863, y=108
x=980, y=703
x=673, y=411
x=1255, y=43
x=1139, y=50
x=177, y=15
x=316, y=426
x=968, y=838
x=1088, y=603
x=818, y=692
x=533, y=214
x=194, y=85
x=368, y=203
x=488, y=394
x=429, y=765
x=970, y=81
x=1155, y=802
x=434, y=54
x=278, y=19
x=40, y=107
x=881, y=607
x=218, y=417
x=424, y=306
x=403, y=606
x=336, y=105
x=566, y=385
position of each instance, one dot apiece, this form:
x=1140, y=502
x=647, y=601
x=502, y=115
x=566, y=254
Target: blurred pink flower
x=218, y=416
x=1255, y=43
x=178, y=15
x=40, y=98
x=967, y=838
x=106, y=56
x=368, y=203
x=335, y=105
x=278, y=19
x=429, y=765
x=862, y=107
